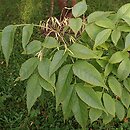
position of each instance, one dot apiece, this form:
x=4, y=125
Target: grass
x=13, y=111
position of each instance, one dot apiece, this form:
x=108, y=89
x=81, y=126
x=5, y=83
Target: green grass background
x=13, y=111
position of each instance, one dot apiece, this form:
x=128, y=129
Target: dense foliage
x=83, y=63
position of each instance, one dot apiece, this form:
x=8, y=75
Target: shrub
x=84, y=63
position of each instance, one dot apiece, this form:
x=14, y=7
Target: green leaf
x=33, y=90
x=46, y=85
x=127, y=42
x=58, y=59
x=75, y=24
x=102, y=37
x=97, y=15
x=128, y=113
x=115, y=86
x=117, y=57
x=43, y=69
x=123, y=70
x=7, y=41
x=0, y=39
x=120, y=111
x=105, y=23
x=26, y=34
x=28, y=68
x=92, y=30
x=81, y=51
x=108, y=69
x=107, y=118
x=102, y=63
x=125, y=98
x=124, y=28
x=126, y=83
x=88, y=73
x=89, y=96
x=109, y=104
x=124, y=11
x=115, y=36
x=67, y=103
x=63, y=83
x=94, y=114
x=33, y=47
x=79, y=9
x=50, y=42
x=126, y=19
x=80, y=111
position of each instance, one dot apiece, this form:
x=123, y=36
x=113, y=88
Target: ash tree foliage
x=85, y=65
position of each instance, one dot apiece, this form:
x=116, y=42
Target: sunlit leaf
x=123, y=70
x=125, y=98
x=94, y=114
x=108, y=69
x=107, y=118
x=109, y=104
x=102, y=37
x=126, y=83
x=120, y=111
x=124, y=11
x=127, y=42
x=97, y=15
x=115, y=36
x=105, y=23
x=115, y=86
x=118, y=57
x=92, y=30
